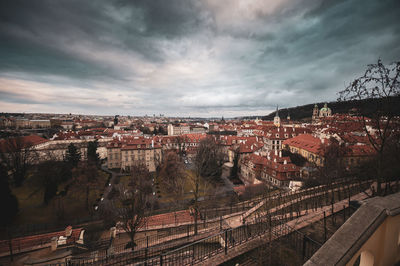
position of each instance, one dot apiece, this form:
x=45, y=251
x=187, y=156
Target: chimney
x=278, y=129
x=284, y=129
x=276, y=152
x=284, y=162
x=152, y=143
x=322, y=140
x=280, y=153
x=274, y=160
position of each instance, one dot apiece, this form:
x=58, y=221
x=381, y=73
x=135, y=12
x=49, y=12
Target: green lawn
x=33, y=211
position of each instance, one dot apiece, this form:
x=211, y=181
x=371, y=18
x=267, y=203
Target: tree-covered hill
x=304, y=112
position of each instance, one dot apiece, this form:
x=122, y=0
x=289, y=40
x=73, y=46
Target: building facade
x=123, y=154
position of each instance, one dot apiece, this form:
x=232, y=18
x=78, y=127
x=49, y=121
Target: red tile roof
x=306, y=142
x=7, y=145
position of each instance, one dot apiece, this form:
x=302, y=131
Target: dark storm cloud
x=169, y=18
x=188, y=57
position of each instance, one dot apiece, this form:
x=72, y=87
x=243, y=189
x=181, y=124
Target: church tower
x=288, y=115
x=277, y=119
x=315, y=113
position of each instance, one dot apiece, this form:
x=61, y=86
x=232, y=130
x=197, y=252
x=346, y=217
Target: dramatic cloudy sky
x=182, y=57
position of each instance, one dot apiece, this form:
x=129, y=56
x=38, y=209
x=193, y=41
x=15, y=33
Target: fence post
x=344, y=213
x=348, y=192
x=10, y=245
x=304, y=246
x=145, y=257
x=324, y=227
x=193, y=257
x=226, y=242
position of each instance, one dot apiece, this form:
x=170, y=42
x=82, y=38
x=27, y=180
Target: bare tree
x=180, y=142
x=86, y=176
x=8, y=201
x=172, y=175
x=382, y=84
x=207, y=166
x=235, y=168
x=209, y=159
x=200, y=188
x=17, y=155
x=134, y=202
x=333, y=164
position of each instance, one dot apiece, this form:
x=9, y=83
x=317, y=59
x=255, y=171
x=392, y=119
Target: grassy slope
x=33, y=211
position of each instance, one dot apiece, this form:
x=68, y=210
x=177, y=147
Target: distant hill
x=304, y=112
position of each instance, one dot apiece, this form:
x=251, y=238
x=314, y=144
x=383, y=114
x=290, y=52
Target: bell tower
x=277, y=119
x=315, y=113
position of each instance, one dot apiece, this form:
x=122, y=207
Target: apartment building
x=125, y=153
x=273, y=169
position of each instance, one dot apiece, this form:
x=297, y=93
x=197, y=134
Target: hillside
x=304, y=112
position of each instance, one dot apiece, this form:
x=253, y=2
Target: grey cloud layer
x=182, y=57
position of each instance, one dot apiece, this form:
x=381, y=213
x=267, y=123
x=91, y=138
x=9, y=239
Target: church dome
x=325, y=111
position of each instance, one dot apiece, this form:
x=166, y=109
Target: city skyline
x=187, y=58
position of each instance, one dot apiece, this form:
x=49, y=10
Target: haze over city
x=181, y=58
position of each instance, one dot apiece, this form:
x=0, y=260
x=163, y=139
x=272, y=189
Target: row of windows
x=135, y=158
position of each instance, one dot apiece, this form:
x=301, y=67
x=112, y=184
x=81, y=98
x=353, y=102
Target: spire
x=277, y=120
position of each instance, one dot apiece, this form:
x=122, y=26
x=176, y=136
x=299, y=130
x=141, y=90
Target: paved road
x=105, y=202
